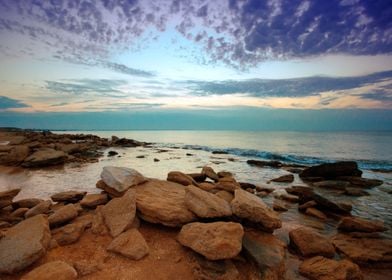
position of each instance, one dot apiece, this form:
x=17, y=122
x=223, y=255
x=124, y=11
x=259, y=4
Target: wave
x=288, y=158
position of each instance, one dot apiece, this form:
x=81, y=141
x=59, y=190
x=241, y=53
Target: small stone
x=284, y=179
x=58, y=270
x=26, y=203
x=40, y=208
x=68, y=196
x=63, y=215
x=306, y=205
x=130, y=244
x=93, y=200
x=315, y=213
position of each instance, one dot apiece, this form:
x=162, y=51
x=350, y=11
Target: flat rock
x=228, y=184
x=267, y=251
x=368, y=251
x=205, y=204
x=9, y=195
x=279, y=206
x=119, y=213
x=207, y=186
x=252, y=208
x=320, y=268
x=332, y=184
x=180, y=178
x=23, y=244
x=309, y=243
x=284, y=179
x=45, y=157
x=41, y=208
x=26, y=203
x=121, y=178
x=332, y=170
x=93, y=200
x=355, y=192
x=357, y=224
x=70, y=233
x=311, y=211
x=215, y=241
x=55, y=270
x=163, y=202
x=68, y=196
x=62, y=215
x=130, y=244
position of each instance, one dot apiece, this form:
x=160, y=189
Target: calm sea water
x=372, y=150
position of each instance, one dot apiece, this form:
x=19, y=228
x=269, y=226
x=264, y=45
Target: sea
x=189, y=151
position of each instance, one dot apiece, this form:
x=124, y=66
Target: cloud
x=239, y=33
x=299, y=87
x=9, y=103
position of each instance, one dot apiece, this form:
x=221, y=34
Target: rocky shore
x=202, y=225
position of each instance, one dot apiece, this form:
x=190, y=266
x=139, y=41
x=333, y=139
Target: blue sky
x=245, y=62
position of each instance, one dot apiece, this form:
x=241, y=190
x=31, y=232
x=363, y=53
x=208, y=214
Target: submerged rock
x=121, y=179
x=332, y=170
x=163, y=202
x=45, y=157
x=360, y=225
x=24, y=244
x=26, y=203
x=55, y=270
x=215, y=241
x=284, y=179
x=320, y=268
x=260, y=163
x=130, y=244
x=252, y=208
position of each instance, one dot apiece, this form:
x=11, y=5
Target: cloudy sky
x=66, y=62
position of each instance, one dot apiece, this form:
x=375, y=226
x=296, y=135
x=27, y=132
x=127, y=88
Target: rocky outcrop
x=130, y=244
x=351, y=224
x=119, y=213
x=68, y=196
x=45, y=157
x=163, y=202
x=205, y=204
x=215, y=241
x=332, y=170
x=55, y=270
x=24, y=244
x=260, y=163
x=320, y=268
x=121, y=179
x=180, y=178
x=250, y=207
x=309, y=243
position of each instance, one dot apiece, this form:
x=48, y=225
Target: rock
x=300, y=191
x=68, y=196
x=26, y=203
x=355, y=192
x=121, y=179
x=98, y=224
x=215, y=241
x=228, y=196
x=70, y=233
x=307, y=205
x=222, y=270
x=23, y=244
x=324, y=203
x=210, y=173
x=157, y=160
x=245, y=185
x=332, y=184
x=315, y=213
x=40, y=208
x=93, y=200
x=15, y=155
x=163, y=202
x=361, y=182
x=112, y=153
x=309, y=243
x=260, y=163
x=58, y=270
x=198, y=177
x=222, y=174
x=5, y=203
x=284, y=179
x=19, y=213
x=228, y=184
x=279, y=205
x=332, y=170
x=282, y=194
x=63, y=215
x=360, y=225
x=369, y=251
x=180, y=178
x=207, y=186
x=205, y=204
x=45, y=157
x=141, y=156
x=219, y=152
x=252, y=208
x=119, y=213
x=4, y=224
x=267, y=251
x=86, y=267
x=320, y=268
x=130, y=244
x=9, y=195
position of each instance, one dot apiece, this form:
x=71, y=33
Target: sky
x=171, y=64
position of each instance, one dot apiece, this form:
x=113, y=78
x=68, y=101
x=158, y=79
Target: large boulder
x=68, y=196
x=55, y=270
x=267, y=251
x=130, y=244
x=180, y=178
x=332, y=170
x=250, y=207
x=24, y=244
x=205, y=204
x=309, y=243
x=14, y=155
x=119, y=213
x=215, y=241
x=45, y=157
x=357, y=224
x=121, y=179
x=163, y=202
x=320, y=268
